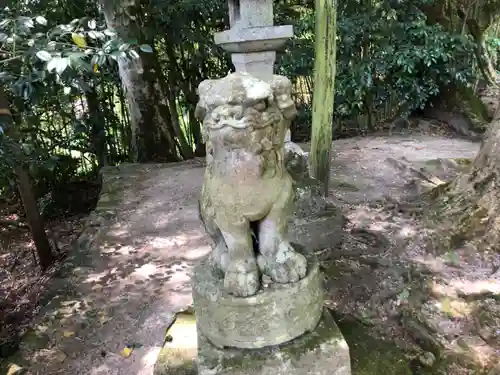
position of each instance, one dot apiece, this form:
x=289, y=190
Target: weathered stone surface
x=178, y=355
x=315, y=224
x=276, y=314
x=321, y=352
x=247, y=191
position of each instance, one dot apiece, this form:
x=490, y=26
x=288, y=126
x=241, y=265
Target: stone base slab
x=320, y=352
x=178, y=354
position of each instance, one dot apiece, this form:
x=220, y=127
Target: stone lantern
x=252, y=38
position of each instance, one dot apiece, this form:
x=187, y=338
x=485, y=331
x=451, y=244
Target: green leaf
x=117, y=54
x=124, y=47
x=51, y=65
x=134, y=54
x=44, y=55
x=28, y=22
x=93, y=34
x=146, y=48
x=3, y=37
x=62, y=64
x=109, y=32
x=403, y=296
x=41, y=20
x=76, y=59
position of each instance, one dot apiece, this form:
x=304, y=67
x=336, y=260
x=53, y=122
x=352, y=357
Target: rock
x=400, y=124
x=176, y=361
x=277, y=313
x=315, y=224
x=178, y=355
x=427, y=359
x=457, y=121
x=424, y=125
x=320, y=352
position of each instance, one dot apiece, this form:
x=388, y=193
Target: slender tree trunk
x=324, y=90
x=482, y=56
x=26, y=191
x=190, y=96
x=35, y=222
x=169, y=105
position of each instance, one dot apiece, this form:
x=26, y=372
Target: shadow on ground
x=126, y=278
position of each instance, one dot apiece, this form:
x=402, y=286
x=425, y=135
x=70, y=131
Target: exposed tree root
x=469, y=207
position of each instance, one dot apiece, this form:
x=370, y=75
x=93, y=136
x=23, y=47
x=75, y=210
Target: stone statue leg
x=241, y=274
x=219, y=253
x=277, y=257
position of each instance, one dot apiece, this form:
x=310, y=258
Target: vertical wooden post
x=324, y=90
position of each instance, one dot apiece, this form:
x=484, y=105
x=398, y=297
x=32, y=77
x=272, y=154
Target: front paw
x=242, y=278
x=286, y=266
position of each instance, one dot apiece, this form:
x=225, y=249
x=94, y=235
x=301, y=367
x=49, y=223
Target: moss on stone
x=325, y=337
x=176, y=361
x=344, y=185
x=326, y=332
x=370, y=356
x=474, y=108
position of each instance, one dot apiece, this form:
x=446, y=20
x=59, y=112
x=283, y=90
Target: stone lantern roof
x=252, y=38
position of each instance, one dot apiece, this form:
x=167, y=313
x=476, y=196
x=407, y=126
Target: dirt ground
x=129, y=272
x=22, y=284
x=387, y=275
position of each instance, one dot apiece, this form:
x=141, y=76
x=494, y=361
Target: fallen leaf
x=103, y=318
x=15, y=370
x=126, y=352
x=68, y=334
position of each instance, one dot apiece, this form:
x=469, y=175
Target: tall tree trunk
x=152, y=136
x=26, y=191
x=324, y=90
x=482, y=56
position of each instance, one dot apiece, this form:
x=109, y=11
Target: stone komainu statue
x=247, y=194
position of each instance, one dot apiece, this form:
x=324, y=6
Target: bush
x=390, y=62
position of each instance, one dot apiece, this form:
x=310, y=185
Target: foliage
x=50, y=70
x=493, y=46
x=388, y=55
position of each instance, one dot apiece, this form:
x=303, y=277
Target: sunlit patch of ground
x=387, y=275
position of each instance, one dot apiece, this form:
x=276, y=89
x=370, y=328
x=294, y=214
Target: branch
x=10, y=59
x=14, y=223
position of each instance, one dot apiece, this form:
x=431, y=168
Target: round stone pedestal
x=276, y=314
